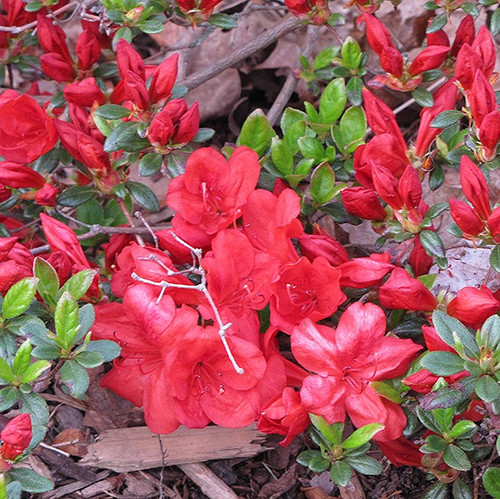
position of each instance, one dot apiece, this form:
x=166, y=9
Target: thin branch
x=261, y=41
x=130, y=221
x=291, y=81
x=411, y=101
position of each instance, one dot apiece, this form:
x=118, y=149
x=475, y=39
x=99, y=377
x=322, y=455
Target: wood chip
x=183, y=446
x=210, y=484
x=65, y=490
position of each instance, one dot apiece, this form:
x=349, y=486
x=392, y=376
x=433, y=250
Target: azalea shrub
x=244, y=307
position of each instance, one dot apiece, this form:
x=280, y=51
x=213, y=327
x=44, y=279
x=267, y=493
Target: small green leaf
x=125, y=33
x=290, y=117
x=112, y=112
x=319, y=464
x=282, y=156
x=325, y=57
x=256, y=133
x=143, y=195
x=19, y=297
x=461, y=428
x=365, y=465
x=150, y=164
x=433, y=443
x=34, y=371
x=351, y=53
x=305, y=457
x=432, y=244
x=437, y=23
x=442, y=363
x=333, y=101
x=456, y=458
x=75, y=377
x=203, y=135
x=30, y=480
x=491, y=481
x=322, y=187
x=423, y=97
x=446, y=326
x=22, y=358
x=436, y=178
x=76, y=195
x=460, y=490
x=354, y=91
x=437, y=491
x=353, y=128
x=78, y=284
x=436, y=210
x=150, y=26
x=66, y=320
x=108, y=349
x=495, y=258
x=446, y=118
x=471, y=9
x=362, y=435
x=223, y=21
x=125, y=136
x=48, y=284
x=89, y=359
x=340, y=473
x=8, y=397
x=487, y=388
x=495, y=22
x=6, y=371
x=386, y=390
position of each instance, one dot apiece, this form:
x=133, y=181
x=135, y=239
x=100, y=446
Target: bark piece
x=210, y=484
x=112, y=450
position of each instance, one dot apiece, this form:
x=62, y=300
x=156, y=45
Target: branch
x=291, y=81
x=261, y=41
x=96, y=230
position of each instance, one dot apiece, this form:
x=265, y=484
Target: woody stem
x=130, y=220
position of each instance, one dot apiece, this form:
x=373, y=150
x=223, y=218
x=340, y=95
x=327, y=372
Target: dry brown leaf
x=73, y=441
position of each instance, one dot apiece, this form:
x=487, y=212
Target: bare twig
x=210, y=484
x=261, y=41
x=411, y=101
x=291, y=81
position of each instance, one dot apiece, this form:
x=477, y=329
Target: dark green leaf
x=125, y=136
x=223, y=21
x=432, y=243
x=437, y=23
x=460, y=490
x=365, y=465
x=319, y=464
x=112, y=112
x=437, y=491
x=203, y=135
x=354, y=91
x=456, y=458
x=8, y=397
x=436, y=210
x=495, y=258
x=150, y=26
x=446, y=118
x=423, y=97
x=34, y=371
x=471, y=9
x=446, y=326
x=304, y=458
x=487, y=389
x=340, y=473
x=19, y=297
x=433, y=443
x=76, y=195
x=30, y=480
x=256, y=132
x=143, y=195
x=89, y=359
x=75, y=377
x=436, y=178
x=150, y=164
x=491, y=481
x=442, y=363
x=109, y=350
x=495, y=22
x=428, y=420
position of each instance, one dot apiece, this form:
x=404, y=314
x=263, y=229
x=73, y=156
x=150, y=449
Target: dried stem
x=130, y=221
x=261, y=41
x=202, y=287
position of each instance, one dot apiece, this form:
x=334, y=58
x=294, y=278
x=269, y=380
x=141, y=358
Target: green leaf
x=150, y=26
x=446, y=326
x=354, y=90
x=325, y=57
x=433, y=443
x=322, y=187
x=456, y=458
x=495, y=22
x=108, y=349
x=22, y=358
x=30, y=480
x=66, y=320
x=461, y=428
x=47, y=351
x=432, y=244
x=34, y=371
x=282, y=156
x=86, y=317
x=353, y=128
x=436, y=178
x=203, y=135
x=331, y=433
x=89, y=359
x=446, y=118
x=150, y=164
x=223, y=21
x=428, y=420
x=143, y=195
x=471, y=9
x=491, y=481
x=37, y=407
x=445, y=397
x=442, y=363
x=333, y=101
x=256, y=133
x=386, y=390
x=78, y=284
x=423, y=97
x=460, y=490
x=437, y=491
x=48, y=283
x=340, y=473
x=293, y=134
x=436, y=210
x=290, y=117
x=112, y=112
x=305, y=457
x=489, y=335
x=319, y=464
x=495, y=258
x=8, y=397
x=76, y=195
x=487, y=388
x=437, y=23
x=362, y=435
x=126, y=137
x=365, y=465
x=351, y=53
x=125, y=33
x=33, y=6
x=75, y=377
x=311, y=147
x=19, y=297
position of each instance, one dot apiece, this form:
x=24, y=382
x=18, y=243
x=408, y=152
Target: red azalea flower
x=16, y=263
x=401, y=291
x=320, y=243
x=305, y=289
x=209, y=196
x=346, y=361
x=401, y=452
x=16, y=437
x=475, y=187
x=366, y=271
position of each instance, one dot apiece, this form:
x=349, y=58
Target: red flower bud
x=52, y=38
x=386, y=185
x=465, y=217
x=494, y=224
x=135, y=90
x=87, y=49
x=430, y=58
x=481, y=97
x=377, y=34
x=401, y=452
x=16, y=437
x=475, y=187
x=489, y=135
x=483, y=44
x=473, y=306
x=163, y=79
x=26, y=130
x=419, y=260
x=320, y=243
x=468, y=62
x=55, y=66
x=18, y=176
x=466, y=33
x=128, y=59
x=161, y=129
x=365, y=272
x=391, y=61
x=410, y=188
x=188, y=125
x=437, y=38
x=46, y=196
x=84, y=93
x=363, y=203
x=401, y=291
